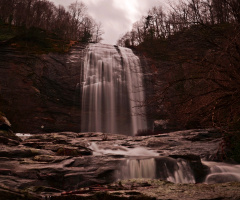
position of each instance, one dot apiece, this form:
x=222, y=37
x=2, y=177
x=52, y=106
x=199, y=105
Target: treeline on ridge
x=71, y=24
x=160, y=24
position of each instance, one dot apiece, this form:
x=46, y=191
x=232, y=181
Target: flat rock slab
x=133, y=189
x=7, y=193
x=146, y=189
x=49, y=164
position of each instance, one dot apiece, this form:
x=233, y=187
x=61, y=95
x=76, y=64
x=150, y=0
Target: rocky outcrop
x=56, y=161
x=13, y=194
x=41, y=93
x=135, y=189
x=7, y=137
x=145, y=189
x=68, y=165
x=4, y=123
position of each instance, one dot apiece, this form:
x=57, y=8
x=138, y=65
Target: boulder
x=4, y=123
x=7, y=137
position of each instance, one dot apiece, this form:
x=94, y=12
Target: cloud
x=113, y=18
x=116, y=16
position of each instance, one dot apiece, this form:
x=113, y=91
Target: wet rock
x=67, y=151
x=145, y=189
x=49, y=158
x=204, y=135
x=18, y=152
x=13, y=194
x=83, y=162
x=177, y=143
x=5, y=138
x=102, y=193
x=5, y=171
x=50, y=163
x=154, y=142
x=42, y=189
x=36, y=144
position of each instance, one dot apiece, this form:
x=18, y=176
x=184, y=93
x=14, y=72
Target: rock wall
x=41, y=93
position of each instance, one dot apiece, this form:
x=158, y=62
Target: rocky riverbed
x=69, y=165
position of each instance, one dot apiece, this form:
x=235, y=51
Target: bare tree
x=73, y=23
x=77, y=11
x=98, y=32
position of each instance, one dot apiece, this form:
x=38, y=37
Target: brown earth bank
x=41, y=93
x=69, y=165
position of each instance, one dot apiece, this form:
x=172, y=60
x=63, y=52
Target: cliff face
x=41, y=93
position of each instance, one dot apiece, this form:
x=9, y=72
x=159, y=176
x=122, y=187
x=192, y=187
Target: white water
x=183, y=173
x=138, y=168
x=147, y=168
x=144, y=163
x=179, y=172
x=112, y=91
x=141, y=164
x=23, y=136
x=119, y=150
x=222, y=172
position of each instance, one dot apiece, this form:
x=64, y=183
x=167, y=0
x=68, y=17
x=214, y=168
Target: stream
x=54, y=163
x=143, y=163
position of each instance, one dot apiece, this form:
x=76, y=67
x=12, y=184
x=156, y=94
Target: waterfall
x=164, y=168
x=138, y=168
x=222, y=172
x=112, y=91
x=182, y=174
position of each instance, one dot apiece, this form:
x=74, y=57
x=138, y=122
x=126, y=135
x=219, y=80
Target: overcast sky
x=116, y=16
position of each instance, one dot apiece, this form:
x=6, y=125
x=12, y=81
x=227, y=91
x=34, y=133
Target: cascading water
x=112, y=91
x=138, y=168
x=182, y=174
x=222, y=172
x=140, y=162
x=176, y=171
x=144, y=163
